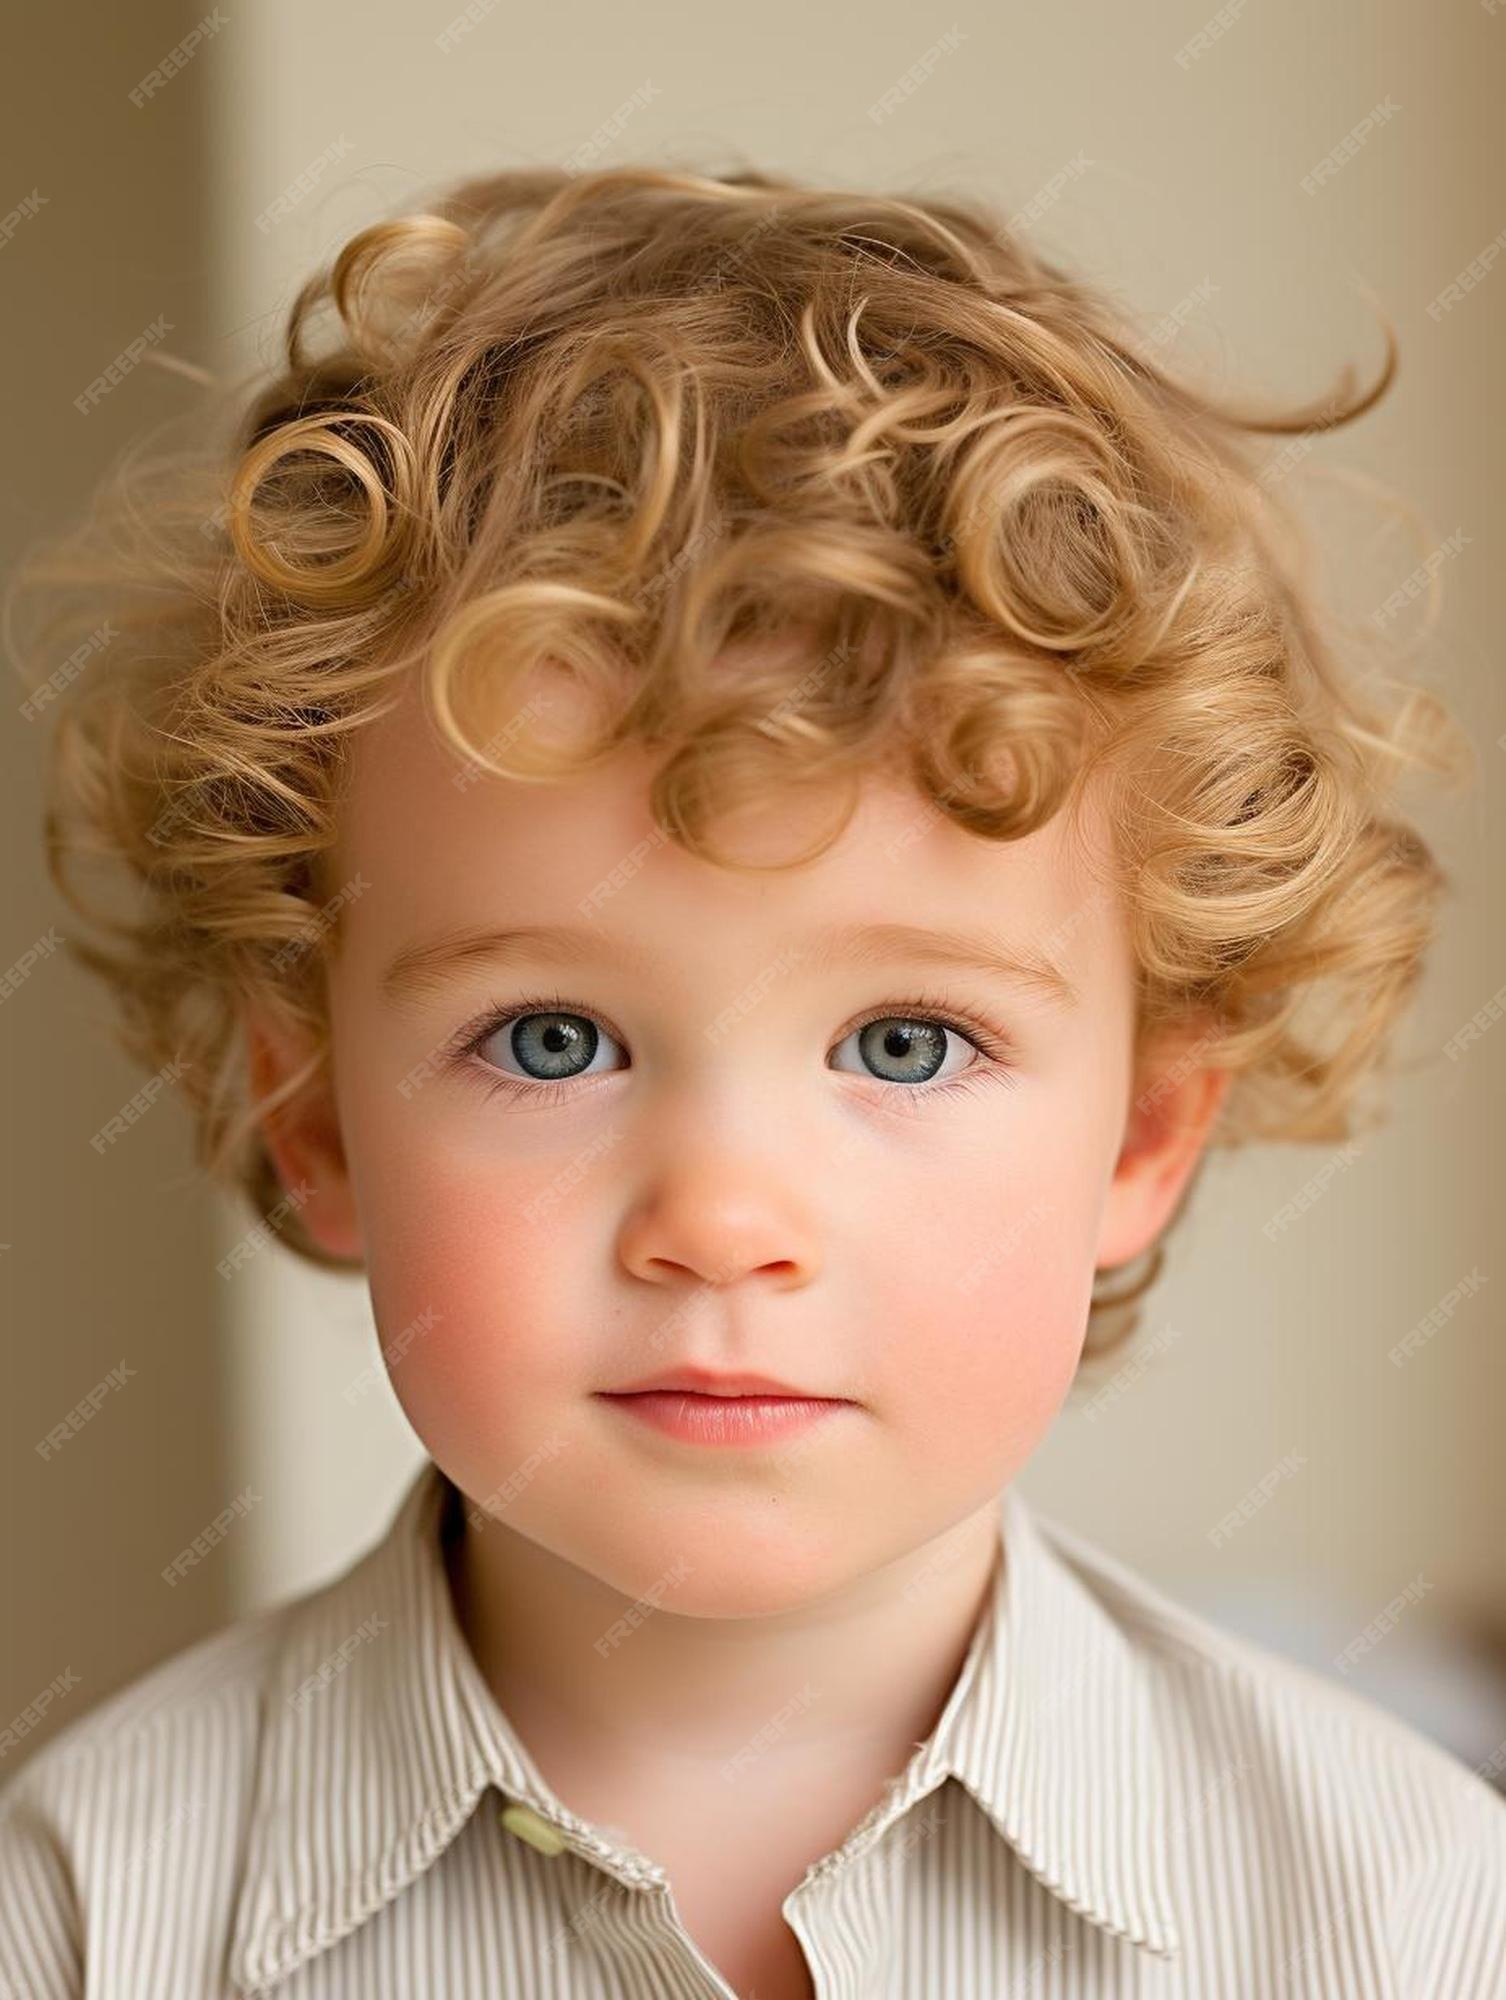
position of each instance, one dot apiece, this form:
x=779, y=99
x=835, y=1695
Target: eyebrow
x=421, y=969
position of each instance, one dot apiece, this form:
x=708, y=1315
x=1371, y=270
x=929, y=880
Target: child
x=733, y=789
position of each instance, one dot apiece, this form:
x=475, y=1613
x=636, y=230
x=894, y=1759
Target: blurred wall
x=1250, y=184
x=112, y=1307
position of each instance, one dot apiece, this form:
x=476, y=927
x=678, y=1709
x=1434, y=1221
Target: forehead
x=440, y=844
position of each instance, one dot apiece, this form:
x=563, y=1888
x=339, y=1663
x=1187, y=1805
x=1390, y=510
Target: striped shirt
x=325, y=1799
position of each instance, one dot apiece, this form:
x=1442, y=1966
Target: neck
x=861, y=1672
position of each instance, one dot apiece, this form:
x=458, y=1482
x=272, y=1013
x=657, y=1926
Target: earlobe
x=302, y=1136
x=1178, y=1095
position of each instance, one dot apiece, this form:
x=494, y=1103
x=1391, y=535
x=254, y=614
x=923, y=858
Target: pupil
x=915, y=1048
x=553, y=1045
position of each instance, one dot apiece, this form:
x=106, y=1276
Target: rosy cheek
x=493, y=1275
x=983, y=1318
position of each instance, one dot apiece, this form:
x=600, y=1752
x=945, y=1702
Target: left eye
x=903, y=1048
x=551, y=1048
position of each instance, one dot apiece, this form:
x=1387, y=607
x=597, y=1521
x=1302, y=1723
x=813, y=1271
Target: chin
x=724, y=1567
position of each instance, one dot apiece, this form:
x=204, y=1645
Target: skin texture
x=758, y=1196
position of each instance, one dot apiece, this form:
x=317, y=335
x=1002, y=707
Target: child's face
x=739, y=1180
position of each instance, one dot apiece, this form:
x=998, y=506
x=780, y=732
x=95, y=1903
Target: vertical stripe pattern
x=1117, y=1799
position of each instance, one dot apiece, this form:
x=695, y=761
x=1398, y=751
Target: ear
x=1177, y=1097
x=302, y=1135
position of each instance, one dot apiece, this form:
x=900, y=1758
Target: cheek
x=493, y=1266
x=982, y=1299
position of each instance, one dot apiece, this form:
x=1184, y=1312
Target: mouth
x=748, y=1418
x=693, y=1381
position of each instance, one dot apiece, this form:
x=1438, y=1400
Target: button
x=532, y=1827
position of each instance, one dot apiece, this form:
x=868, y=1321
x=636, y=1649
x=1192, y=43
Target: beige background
x=1179, y=183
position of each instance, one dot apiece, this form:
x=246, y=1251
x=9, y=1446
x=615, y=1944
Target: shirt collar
x=380, y=1735
x=1052, y=1729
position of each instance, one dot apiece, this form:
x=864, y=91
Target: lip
x=725, y=1420
x=704, y=1382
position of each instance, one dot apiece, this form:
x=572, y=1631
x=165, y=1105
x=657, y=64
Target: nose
x=709, y=1222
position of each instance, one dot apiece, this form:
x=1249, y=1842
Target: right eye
x=543, y=1045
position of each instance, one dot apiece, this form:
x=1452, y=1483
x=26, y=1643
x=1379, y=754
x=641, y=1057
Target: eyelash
x=461, y=1052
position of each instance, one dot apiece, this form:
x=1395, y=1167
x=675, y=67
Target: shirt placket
x=684, y=1973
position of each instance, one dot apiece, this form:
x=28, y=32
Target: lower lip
x=726, y=1419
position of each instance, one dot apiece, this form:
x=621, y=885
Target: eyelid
x=483, y=1026
x=961, y=1018
x=955, y=1014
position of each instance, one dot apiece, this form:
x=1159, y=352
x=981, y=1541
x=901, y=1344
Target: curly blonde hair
x=625, y=421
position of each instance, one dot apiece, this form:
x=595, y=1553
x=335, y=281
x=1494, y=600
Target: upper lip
x=702, y=1382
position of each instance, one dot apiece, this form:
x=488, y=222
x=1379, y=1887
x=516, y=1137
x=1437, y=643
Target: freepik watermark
x=935, y=1566
x=16, y=975
x=430, y=307
x=1414, y=1341
x=1482, y=1018
x=1167, y=1081
x=173, y=815
x=684, y=556
x=129, y=357
x=1379, y=1626
x=1170, y=324
x=138, y=1104
x=304, y=183
x=1415, y=584
x=569, y=1176
x=261, y=1233
x=923, y=1822
x=474, y=769
x=483, y=1513
x=85, y=1408
x=210, y=1537
x=324, y=918
x=789, y=702
x=685, y=1312
x=631, y=864
x=589, y=151
x=470, y=17
x=1296, y=448
x=1378, y=115
x=423, y=1071
x=392, y=1352
x=20, y=1726
x=906, y=86
x=1212, y=31
x=1493, y=1768
x=1296, y=1959
x=129, y=1868
x=584, y=1917
x=1313, y=1188
x=1128, y=1373
x=69, y=671
x=733, y=1767
x=1396, y=854
x=335, y=1663
x=928, y=817
x=641, y=1609
x=1475, y=272
x=177, y=58
x=1208, y=1796
x=1049, y=192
